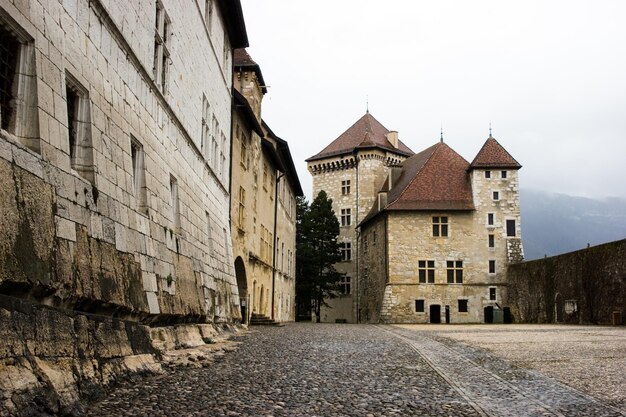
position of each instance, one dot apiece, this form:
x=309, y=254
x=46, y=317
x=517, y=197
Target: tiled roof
x=434, y=179
x=365, y=132
x=241, y=58
x=493, y=155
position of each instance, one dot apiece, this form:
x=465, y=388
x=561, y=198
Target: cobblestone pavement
x=350, y=370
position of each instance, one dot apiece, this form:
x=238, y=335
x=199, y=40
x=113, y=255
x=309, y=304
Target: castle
x=426, y=237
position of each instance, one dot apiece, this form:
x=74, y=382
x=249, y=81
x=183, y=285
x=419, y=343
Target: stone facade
x=264, y=187
x=351, y=178
x=114, y=158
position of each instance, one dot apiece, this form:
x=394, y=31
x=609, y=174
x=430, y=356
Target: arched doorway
x=242, y=285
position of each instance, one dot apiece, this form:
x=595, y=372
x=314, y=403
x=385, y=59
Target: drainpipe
x=358, y=234
x=274, y=248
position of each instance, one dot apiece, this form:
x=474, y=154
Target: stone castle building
x=351, y=170
x=434, y=233
x=115, y=152
x=263, y=208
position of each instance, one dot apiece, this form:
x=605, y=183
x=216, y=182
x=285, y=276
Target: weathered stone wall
x=373, y=272
x=586, y=286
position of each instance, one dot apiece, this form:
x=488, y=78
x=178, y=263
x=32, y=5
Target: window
x=209, y=232
x=440, y=226
x=419, y=306
x=510, y=228
x=487, y=174
x=345, y=187
x=374, y=238
x=346, y=251
x=242, y=207
x=214, y=132
x=175, y=203
x=223, y=164
x=492, y=294
x=492, y=266
x=18, y=85
x=570, y=307
x=490, y=219
x=365, y=245
x=206, y=131
x=161, y=41
x=426, y=271
x=139, y=175
x=265, y=177
x=346, y=217
x=503, y=174
x=492, y=241
x=462, y=306
x=79, y=128
x=496, y=195
x=454, y=271
x=344, y=285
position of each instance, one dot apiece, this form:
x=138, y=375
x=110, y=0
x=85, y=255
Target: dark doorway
x=435, y=313
x=242, y=285
x=489, y=314
x=447, y=314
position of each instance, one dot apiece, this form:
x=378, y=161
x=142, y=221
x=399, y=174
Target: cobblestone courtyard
x=361, y=370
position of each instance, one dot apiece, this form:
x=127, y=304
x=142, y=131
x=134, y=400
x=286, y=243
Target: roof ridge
x=436, y=146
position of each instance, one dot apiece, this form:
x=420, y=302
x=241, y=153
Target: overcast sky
x=549, y=75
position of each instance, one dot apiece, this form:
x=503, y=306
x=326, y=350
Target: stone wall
x=586, y=286
x=374, y=302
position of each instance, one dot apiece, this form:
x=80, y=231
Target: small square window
x=492, y=267
x=496, y=195
x=419, y=306
x=487, y=174
x=503, y=174
x=463, y=306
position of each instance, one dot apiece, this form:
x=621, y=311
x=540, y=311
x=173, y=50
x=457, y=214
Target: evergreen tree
x=317, y=251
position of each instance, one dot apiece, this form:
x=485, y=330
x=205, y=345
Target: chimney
x=394, y=174
x=382, y=200
x=392, y=137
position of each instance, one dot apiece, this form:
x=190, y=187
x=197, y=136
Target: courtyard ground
x=365, y=370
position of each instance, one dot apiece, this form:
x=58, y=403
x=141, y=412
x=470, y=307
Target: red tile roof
x=493, y=155
x=434, y=179
x=242, y=61
x=364, y=133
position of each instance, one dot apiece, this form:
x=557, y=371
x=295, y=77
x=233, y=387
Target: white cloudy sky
x=549, y=75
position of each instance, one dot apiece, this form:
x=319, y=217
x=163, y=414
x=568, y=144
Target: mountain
x=557, y=223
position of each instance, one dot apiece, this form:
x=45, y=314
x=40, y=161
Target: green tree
x=317, y=251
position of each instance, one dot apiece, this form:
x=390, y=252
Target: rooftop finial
x=367, y=103
x=490, y=129
x=441, y=137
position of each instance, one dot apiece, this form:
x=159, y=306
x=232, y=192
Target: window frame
x=491, y=241
x=420, y=305
x=162, y=35
x=79, y=128
x=454, y=271
x=492, y=266
x=345, y=285
x=426, y=271
x=346, y=217
x=488, y=174
x=138, y=160
x=345, y=187
x=463, y=305
x=440, y=226
x=508, y=228
x=346, y=251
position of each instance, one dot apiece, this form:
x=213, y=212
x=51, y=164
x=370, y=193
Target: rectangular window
x=492, y=266
x=345, y=284
x=510, y=228
x=242, y=207
x=214, y=146
x=440, y=226
x=503, y=174
x=223, y=164
x=209, y=233
x=496, y=196
x=346, y=217
x=345, y=187
x=463, y=306
x=492, y=294
x=346, y=251
x=139, y=175
x=161, y=41
x=79, y=128
x=426, y=271
x=365, y=245
x=487, y=174
x=175, y=203
x=492, y=241
x=490, y=219
x=18, y=85
x=454, y=272
x=206, y=131
x=265, y=176
x=419, y=306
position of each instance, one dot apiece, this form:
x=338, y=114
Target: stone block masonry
x=111, y=206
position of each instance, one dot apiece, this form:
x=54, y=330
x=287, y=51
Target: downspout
x=358, y=233
x=274, y=248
